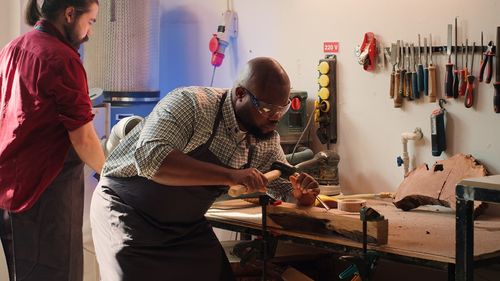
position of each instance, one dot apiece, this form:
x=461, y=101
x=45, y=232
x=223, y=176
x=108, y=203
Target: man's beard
x=255, y=131
x=69, y=31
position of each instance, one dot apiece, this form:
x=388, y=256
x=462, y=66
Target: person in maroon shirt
x=46, y=136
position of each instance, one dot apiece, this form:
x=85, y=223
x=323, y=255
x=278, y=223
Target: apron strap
x=217, y=121
x=250, y=156
x=218, y=118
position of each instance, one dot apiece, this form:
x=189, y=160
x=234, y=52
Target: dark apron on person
x=167, y=235
x=44, y=243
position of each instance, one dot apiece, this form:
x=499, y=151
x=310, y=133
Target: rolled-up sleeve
x=70, y=91
x=169, y=126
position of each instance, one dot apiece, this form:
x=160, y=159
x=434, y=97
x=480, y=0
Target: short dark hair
x=51, y=8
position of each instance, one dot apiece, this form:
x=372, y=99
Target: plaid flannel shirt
x=183, y=120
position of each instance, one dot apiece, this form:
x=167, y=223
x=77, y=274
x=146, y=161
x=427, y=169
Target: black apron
x=44, y=243
x=165, y=233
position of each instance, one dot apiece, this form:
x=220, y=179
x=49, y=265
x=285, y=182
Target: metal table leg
x=464, y=267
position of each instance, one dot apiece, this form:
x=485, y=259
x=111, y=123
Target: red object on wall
x=213, y=45
x=295, y=104
x=217, y=54
x=330, y=47
x=369, y=48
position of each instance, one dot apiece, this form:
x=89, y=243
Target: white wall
x=293, y=32
x=369, y=128
x=10, y=13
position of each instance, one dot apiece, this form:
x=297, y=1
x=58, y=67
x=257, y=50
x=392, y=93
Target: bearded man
x=46, y=136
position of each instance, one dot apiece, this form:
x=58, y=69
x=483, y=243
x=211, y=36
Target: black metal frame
x=338, y=248
x=466, y=193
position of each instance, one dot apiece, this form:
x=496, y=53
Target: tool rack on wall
x=442, y=49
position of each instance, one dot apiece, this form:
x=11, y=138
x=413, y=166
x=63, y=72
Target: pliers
x=488, y=56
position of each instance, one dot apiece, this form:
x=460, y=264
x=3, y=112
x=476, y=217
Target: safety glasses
x=267, y=109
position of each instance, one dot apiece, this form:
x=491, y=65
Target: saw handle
x=237, y=190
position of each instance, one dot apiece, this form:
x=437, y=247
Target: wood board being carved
x=417, y=234
x=436, y=185
x=319, y=221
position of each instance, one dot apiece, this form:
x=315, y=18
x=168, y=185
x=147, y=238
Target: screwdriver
x=456, y=80
x=462, y=77
x=414, y=77
x=432, y=74
x=469, y=93
x=420, y=70
x=426, y=69
x=448, y=86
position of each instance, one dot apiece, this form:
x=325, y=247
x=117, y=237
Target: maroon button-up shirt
x=43, y=95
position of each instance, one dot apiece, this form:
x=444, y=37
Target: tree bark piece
x=436, y=185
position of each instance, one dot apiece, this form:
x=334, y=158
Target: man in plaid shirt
x=160, y=180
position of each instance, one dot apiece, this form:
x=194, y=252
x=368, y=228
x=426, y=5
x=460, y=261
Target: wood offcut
x=436, y=185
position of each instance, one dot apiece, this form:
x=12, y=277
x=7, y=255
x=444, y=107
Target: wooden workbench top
x=427, y=232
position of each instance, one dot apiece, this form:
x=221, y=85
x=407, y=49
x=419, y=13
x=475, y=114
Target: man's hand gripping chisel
x=278, y=169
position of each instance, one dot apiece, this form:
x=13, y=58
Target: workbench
x=468, y=239
x=423, y=236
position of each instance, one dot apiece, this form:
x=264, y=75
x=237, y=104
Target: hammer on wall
x=278, y=169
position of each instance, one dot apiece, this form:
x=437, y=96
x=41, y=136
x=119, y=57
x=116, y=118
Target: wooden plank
x=319, y=221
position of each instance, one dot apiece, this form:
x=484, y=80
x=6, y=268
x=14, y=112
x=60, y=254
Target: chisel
x=420, y=69
x=496, y=97
x=409, y=87
x=448, y=83
x=463, y=73
x=393, y=74
x=414, y=76
x=432, y=74
x=469, y=92
x=402, y=85
x=426, y=69
x=456, y=80
x=398, y=97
